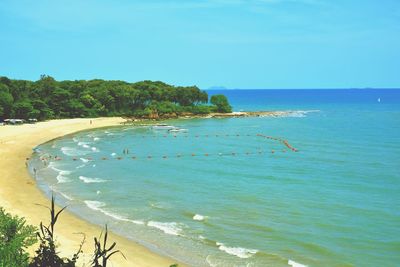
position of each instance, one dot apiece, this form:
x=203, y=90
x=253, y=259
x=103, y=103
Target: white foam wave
x=299, y=113
x=171, y=228
x=199, y=217
x=62, y=179
x=61, y=193
x=80, y=166
x=96, y=139
x=296, y=264
x=88, y=180
x=62, y=174
x=97, y=205
x=242, y=253
x=113, y=154
x=84, y=160
x=94, y=205
x=94, y=149
x=70, y=151
x=65, y=195
x=75, y=140
x=86, y=146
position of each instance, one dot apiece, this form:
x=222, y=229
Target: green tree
x=15, y=237
x=221, y=103
x=6, y=102
x=22, y=109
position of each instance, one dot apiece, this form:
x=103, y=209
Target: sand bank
x=19, y=193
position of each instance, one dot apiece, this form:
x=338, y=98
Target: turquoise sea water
x=335, y=202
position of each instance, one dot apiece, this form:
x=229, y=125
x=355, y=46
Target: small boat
x=178, y=130
x=163, y=127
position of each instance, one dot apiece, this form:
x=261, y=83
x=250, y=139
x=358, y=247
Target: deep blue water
x=222, y=195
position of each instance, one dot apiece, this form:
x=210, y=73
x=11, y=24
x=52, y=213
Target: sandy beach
x=19, y=193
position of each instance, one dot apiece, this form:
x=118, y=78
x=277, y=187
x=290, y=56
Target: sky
x=236, y=44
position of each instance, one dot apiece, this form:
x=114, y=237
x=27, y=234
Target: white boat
x=163, y=127
x=177, y=130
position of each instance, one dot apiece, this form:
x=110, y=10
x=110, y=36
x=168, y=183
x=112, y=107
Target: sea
x=319, y=186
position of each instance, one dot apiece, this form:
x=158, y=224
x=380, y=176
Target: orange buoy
x=193, y=155
x=206, y=154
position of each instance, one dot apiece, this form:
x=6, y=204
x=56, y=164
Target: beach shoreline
x=20, y=195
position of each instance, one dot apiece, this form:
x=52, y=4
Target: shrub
x=101, y=253
x=46, y=254
x=15, y=237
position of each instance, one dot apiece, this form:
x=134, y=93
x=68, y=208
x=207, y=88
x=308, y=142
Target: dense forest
x=49, y=99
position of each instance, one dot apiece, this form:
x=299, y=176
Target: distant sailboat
x=379, y=100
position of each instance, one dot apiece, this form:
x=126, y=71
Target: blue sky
x=236, y=44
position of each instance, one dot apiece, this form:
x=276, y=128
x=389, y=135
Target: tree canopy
x=221, y=103
x=48, y=99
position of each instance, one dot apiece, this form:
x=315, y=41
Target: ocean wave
x=299, y=113
x=296, y=264
x=84, y=160
x=113, y=154
x=171, y=228
x=94, y=149
x=83, y=143
x=88, y=180
x=98, y=206
x=242, y=253
x=80, y=166
x=62, y=174
x=198, y=217
x=61, y=193
x=96, y=139
x=94, y=205
x=62, y=179
x=70, y=151
x=75, y=140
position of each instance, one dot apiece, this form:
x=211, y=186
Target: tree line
x=49, y=99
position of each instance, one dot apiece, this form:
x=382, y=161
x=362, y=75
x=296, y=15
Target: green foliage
x=15, y=237
x=46, y=254
x=102, y=253
x=221, y=103
x=48, y=98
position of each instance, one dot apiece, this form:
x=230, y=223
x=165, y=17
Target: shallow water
x=217, y=195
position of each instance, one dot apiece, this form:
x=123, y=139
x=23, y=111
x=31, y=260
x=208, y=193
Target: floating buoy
x=272, y=151
x=103, y=158
x=193, y=155
x=119, y=158
x=149, y=157
x=133, y=157
x=206, y=154
x=164, y=157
